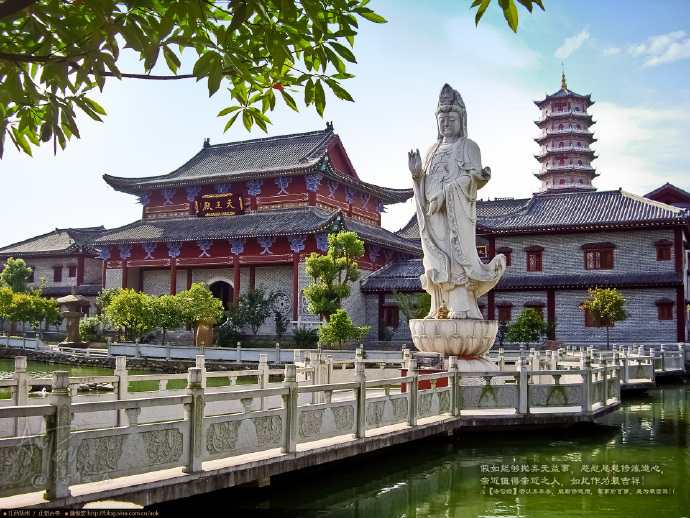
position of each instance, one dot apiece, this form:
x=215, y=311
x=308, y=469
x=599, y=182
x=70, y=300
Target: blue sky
x=631, y=56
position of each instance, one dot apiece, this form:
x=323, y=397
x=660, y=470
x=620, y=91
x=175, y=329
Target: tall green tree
x=199, y=304
x=606, y=307
x=6, y=296
x=132, y=310
x=528, y=328
x=413, y=305
x=15, y=274
x=255, y=307
x=168, y=313
x=54, y=53
x=333, y=273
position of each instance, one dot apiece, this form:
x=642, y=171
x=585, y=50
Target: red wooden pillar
x=80, y=269
x=103, y=274
x=236, y=272
x=295, y=286
x=252, y=277
x=141, y=280
x=124, y=275
x=491, y=305
x=173, y=276
x=678, y=249
x=491, y=250
x=189, y=278
x=550, y=305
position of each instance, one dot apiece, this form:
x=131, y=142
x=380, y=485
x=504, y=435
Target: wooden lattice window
x=598, y=256
x=663, y=250
x=664, y=309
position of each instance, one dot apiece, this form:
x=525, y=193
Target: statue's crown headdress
x=450, y=97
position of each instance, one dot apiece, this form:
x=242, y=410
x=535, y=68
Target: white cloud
x=572, y=44
x=639, y=148
x=487, y=45
x=664, y=48
x=611, y=51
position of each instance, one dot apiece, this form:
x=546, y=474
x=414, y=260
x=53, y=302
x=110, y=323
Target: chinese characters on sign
x=563, y=479
x=227, y=204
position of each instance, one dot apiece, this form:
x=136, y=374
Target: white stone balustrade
x=223, y=423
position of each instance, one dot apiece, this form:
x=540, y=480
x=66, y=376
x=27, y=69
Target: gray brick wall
x=634, y=253
x=643, y=324
x=113, y=279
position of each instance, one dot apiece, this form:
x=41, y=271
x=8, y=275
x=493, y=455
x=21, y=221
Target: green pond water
x=634, y=462
x=45, y=370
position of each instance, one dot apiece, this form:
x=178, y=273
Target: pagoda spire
x=565, y=140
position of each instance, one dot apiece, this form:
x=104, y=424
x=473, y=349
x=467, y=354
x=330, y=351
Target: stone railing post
x=523, y=387
x=414, y=392
x=58, y=430
x=361, y=399
x=453, y=383
x=640, y=350
x=605, y=390
x=587, y=387
x=137, y=352
x=296, y=355
x=167, y=352
x=201, y=364
x=652, y=356
x=625, y=362
x=681, y=351
x=122, y=386
x=406, y=359
x=110, y=344
x=238, y=353
x=662, y=352
x=195, y=415
x=501, y=359
x=290, y=405
x=359, y=355
x=263, y=376
x=277, y=352
x=21, y=394
x=329, y=369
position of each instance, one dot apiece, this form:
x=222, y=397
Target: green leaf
x=225, y=111
x=215, y=76
x=171, y=59
x=289, y=100
x=247, y=120
x=481, y=10
x=20, y=141
x=203, y=65
x=370, y=15
x=231, y=122
x=343, y=51
x=510, y=13
x=320, y=98
x=309, y=92
x=339, y=91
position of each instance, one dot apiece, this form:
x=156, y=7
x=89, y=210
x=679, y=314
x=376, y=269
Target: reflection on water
x=635, y=462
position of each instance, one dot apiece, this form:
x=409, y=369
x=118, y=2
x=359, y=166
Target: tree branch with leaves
x=54, y=53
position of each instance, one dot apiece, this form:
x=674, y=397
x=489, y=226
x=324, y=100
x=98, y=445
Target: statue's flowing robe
x=449, y=235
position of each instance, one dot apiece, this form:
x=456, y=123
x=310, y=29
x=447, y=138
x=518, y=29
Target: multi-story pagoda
x=246, y=214
x=565, y=158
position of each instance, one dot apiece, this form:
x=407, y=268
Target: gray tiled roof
x=400, y=276
x=404, y=276
x=286, y=222
x=61, y=291
x=576, y=210
x=262, y=223
x=381, y=236
x=59, y=241
x=236, y=161
x=599, y=279
x=411, y=230
x=582, y=210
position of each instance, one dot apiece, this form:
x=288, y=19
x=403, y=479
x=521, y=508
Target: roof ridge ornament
x=564, y=85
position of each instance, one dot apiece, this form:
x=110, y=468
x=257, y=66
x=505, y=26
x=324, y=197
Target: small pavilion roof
x=565, y=93
x=58, y=241
x=299, y=153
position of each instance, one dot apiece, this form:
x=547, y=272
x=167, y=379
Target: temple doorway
x=222, y=290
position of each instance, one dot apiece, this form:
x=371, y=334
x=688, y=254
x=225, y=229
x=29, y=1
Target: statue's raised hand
x=415, y=163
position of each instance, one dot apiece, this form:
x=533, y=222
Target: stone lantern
x=72, y=313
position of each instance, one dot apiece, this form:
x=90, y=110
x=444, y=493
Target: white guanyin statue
x=445, y=189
